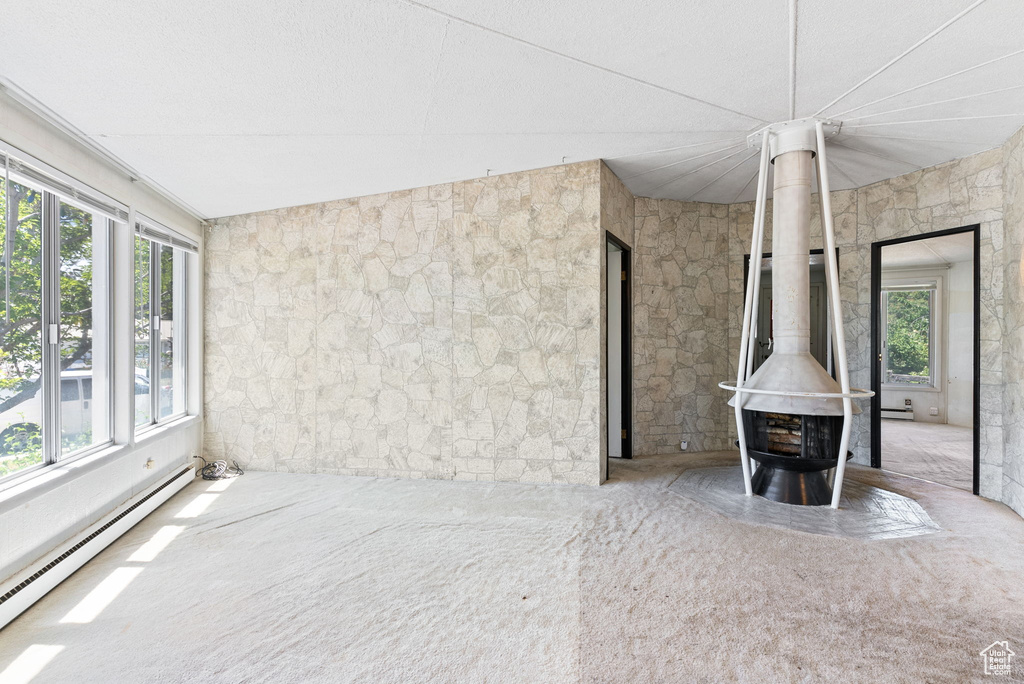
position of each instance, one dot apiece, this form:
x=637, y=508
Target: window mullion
x=181, y=327
x=154, y=331
x=50, y=366
x=931, y=338
x=884, y=360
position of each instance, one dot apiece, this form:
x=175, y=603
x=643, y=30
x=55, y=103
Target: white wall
x=39, y=513
x=960, y=344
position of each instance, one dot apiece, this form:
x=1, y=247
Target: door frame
x=626, y=292
x=876, y=341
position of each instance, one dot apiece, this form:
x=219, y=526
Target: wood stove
x=794, y=453
x=792, y=416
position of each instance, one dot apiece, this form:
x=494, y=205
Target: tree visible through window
x=159, y=333
x=908, y=337
x=29, y=218
x=21, y=403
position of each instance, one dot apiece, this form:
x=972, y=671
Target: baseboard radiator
x=901, y=413
x=33, y=583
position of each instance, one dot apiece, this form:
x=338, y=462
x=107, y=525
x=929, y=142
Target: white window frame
x=58, y=188
x=933, y=280
x=158, y=235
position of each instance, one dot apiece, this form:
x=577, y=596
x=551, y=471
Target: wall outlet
x=149, y=464
x=933, y=411
x=683, y=445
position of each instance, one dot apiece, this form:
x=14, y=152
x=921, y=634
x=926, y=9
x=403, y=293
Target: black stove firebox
x=794, y=453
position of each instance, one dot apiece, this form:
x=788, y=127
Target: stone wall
x=958, y=193
x=526, y=321
x=1013, y=322
x=680, y=326
x=444, y=332
x=458, y=331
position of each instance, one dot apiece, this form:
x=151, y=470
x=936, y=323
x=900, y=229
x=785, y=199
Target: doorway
x=925, y=319
x=619, y=352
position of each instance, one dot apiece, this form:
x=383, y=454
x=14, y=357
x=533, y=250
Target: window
x=55, y=321
x=908, y=319
x=161, y=272
x=21, y=352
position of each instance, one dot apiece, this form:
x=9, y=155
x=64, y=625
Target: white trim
x=72, y=191
x=29, y=484
x=182, y=316
x=155, y=430
x=50, y=117
x=154, y=231
x=39, y=587
x=43, y=478
x=920, y=279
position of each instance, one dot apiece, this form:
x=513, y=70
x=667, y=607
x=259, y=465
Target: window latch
x=54, y=333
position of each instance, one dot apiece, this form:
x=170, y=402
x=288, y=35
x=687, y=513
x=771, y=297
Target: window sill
x=909, y=388
x=15, y=493
x=157, y=430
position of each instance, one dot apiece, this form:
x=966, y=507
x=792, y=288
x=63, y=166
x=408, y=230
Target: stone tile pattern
x=617, y=207
x=958, y=193
x=384, y=338
x=680, y=326
x=452, y=331
x=1013, y=322
x=865, y=512
x=260, y=320
x=444, y=332
x=526, y=388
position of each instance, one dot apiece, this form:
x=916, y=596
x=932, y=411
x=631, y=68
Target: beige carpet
x=318, y=578
x=932, y=451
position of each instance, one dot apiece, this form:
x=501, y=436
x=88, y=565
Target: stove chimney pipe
x=791, y=381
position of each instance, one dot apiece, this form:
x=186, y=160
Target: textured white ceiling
x=938, y=251
x=237, y=107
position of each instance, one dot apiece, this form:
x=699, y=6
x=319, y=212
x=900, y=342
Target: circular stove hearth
x=866, y=512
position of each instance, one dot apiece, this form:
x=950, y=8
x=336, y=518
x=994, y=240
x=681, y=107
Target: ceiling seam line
x=577, y=60
x=724, y=174
x=932, y=104
x=744, y=188
x=792, y=59
x=404, y=135
x=919, y=121
x=87, y=140
x=928, y=83
x=668, y=149
x=847, y=176
x=875, y=154
x=683, y=161
x=930, y=249
x=936, y=140
x=906, y=52
x=434, y=80
x=692, y=171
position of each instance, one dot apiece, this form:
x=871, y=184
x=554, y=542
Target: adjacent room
x=446, y=341
x=928, y=338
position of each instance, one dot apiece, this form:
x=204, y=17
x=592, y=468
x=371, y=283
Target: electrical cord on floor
x=220, y=470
